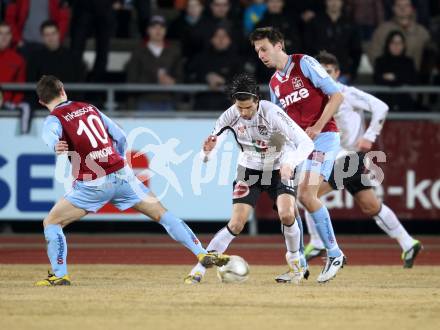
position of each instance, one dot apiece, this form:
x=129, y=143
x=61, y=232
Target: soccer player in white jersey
x=356, y=140
x=272, y=145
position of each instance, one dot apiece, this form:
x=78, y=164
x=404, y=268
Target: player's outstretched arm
x=217, y=136
x=209, y=144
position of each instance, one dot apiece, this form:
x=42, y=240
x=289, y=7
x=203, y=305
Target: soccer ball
x=235, y=271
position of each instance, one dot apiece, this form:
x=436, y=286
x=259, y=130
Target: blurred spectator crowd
x=382, y=42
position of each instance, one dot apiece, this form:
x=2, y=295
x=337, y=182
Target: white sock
x=219, y=243
x=315, y=240
x=292, y=237
x=221, y=240
x=387, y=220
x=290, y=257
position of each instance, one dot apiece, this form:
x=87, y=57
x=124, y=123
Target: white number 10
x=88, y=129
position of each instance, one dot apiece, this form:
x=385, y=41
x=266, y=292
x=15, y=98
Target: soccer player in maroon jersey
x=310, y=97
x=96, y=148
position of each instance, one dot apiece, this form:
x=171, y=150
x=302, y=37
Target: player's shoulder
x=50, y=117
x=310, y=66
x=230, y=114
x=82, y=104
x=307, y=59
x=266, y=107
x=269, y=110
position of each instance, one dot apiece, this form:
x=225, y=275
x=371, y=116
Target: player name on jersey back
x=77, y=113
x=87, y=137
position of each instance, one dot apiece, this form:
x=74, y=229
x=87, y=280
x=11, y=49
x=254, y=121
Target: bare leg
x=175, y=227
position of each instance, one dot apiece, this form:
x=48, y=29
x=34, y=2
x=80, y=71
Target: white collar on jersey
x=283, y=75
x=62, y=104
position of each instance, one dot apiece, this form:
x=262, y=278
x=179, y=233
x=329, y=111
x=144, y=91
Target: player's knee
x=156, y=216
x=287, y=217
x=49, y=221
x=370, y=208
x=237, y=226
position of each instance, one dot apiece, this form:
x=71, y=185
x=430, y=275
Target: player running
x=310, y=97
x=96, y=148
x=356, y=141
x=272, y=145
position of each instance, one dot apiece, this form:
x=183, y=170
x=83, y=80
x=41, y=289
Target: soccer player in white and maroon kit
x=96, y=149
x=271, y=146
x=356, y=140
x=310, y=97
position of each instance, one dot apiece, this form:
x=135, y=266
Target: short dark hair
x=48, y=23
x=243, y=87
x=270, y=33
x=324, y=57
x=48, y=88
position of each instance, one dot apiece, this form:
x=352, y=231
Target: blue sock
x=180, y=232
x=56, y=249
x=324, y=226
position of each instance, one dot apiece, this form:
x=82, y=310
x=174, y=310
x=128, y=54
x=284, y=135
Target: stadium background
x=410, y=136
x=126, y=273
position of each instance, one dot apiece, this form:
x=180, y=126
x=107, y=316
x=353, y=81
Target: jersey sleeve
x=220, y=130
x=318, y=76
x=52, y=131
x=117, y=134
x=367, y=102
x=273, y=98
x=298, y=144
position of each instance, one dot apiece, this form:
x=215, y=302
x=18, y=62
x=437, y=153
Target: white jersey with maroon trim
x=269, y=139
x=350, y=117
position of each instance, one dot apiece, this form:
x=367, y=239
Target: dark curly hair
x=243, y=87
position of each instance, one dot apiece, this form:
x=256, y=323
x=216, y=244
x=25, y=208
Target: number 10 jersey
x=91, y=148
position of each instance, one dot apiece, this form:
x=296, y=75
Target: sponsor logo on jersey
x=77, y=113
x=297, y=83
x=241, y=129
x=260, y=146
x=262, y=129
x=294, y=97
